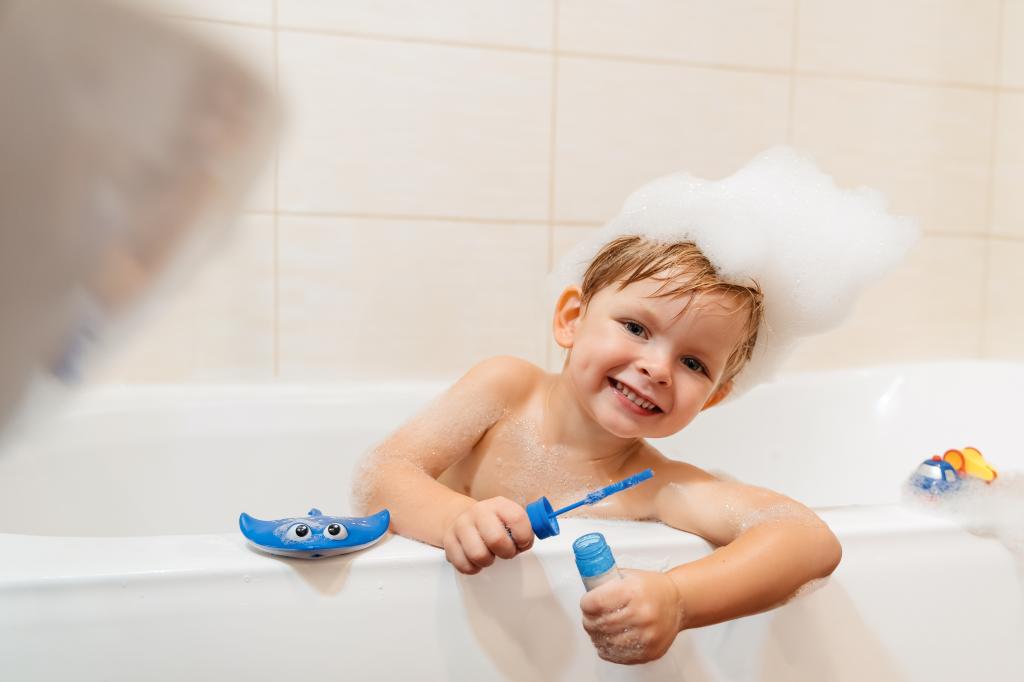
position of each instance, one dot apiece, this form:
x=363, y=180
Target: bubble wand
x=542, y=515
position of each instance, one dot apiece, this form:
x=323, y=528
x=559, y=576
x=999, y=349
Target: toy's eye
x=299, y=532
x=335, y=531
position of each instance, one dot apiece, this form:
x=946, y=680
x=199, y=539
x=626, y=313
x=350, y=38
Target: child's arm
x=770, y=546
x=401, y=473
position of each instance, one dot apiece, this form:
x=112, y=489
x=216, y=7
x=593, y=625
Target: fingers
x=624, y=646
x=632, y=620
x=473, y=545
x=607, y=598
x=615, y=636
x=517, y=522
x=493, y=528
x=457, y=558
x=497, y=538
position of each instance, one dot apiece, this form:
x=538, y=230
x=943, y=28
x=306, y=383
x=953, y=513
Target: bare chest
x=513, y=461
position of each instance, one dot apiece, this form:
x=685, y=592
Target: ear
x=567, y=315
x=719, y=395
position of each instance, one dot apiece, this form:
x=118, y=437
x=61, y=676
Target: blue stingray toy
x=316, y=535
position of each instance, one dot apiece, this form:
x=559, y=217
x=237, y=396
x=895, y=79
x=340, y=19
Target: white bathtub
x=120, y=557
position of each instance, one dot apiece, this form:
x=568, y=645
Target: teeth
x=646, y=404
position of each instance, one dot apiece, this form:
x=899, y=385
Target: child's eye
x=634, y=328
x=693, y=363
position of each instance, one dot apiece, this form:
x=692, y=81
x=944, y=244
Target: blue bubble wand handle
x=604, y=492
x=542, y=516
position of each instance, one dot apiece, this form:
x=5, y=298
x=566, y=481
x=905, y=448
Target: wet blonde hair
x=683, y=270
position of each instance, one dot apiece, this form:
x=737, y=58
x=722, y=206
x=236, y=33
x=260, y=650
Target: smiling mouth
x=631, y=395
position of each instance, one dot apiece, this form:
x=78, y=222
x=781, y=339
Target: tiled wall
x=440, y=156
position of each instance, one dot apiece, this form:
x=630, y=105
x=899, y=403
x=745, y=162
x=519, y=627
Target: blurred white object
x=124, y=144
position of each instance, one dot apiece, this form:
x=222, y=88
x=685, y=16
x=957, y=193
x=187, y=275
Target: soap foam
x=811, y=246
x=993, y=509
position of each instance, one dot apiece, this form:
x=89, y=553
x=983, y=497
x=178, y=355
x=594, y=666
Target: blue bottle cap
x=593, y=555
x=542, y=518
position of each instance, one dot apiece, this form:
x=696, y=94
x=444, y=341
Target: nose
x=657, y=366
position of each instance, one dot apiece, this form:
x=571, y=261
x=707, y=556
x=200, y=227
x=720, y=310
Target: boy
x=653, y=336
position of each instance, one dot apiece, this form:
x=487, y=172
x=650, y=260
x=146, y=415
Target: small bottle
x=594, y=560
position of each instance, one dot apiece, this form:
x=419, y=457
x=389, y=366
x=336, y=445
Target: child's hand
x=634, y=620
x=490, y=528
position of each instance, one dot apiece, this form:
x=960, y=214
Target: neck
x=585, y=441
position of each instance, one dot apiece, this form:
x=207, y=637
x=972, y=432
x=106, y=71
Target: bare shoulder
x=691, y=499
x=667, y=471
x=672, y=479
x=503, y=378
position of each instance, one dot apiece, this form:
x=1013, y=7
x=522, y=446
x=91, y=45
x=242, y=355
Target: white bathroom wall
x=439, y=157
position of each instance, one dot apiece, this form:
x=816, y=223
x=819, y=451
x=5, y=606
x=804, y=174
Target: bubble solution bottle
x=594, y=560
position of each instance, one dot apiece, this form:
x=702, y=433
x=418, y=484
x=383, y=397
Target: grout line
x=668, y=61
x=382, y=37
x=931, y=232
x=552, y=138
x=415, y=217
x=582, y=223
x=791, y=113
x=983, y=340
x=1007, y=238
x=276, y=341
x=552, y=165
x=209, y=20
x=895, y=80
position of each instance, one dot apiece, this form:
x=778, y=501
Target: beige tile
x=1012, y=62
x=937, y=40
x=157, y=345
x=567, y=236
x=245, y=11
x=622, y=124
x=928, y=309
x=564, y=237
x=927, y=148
x=407, y=129
x=214, y=323
x=555, y=358
x=380, y=299
x=1004, y=329
x=254, y=48
x=1007, y=198
x=233, y=300
x=520, y=23
x=754, y=33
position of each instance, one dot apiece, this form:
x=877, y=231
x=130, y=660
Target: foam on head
x=811, y=246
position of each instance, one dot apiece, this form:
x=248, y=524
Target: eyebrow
x=647, y=312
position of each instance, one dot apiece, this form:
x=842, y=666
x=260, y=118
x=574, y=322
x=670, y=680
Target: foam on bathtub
x=993, y=509
x=811, y=246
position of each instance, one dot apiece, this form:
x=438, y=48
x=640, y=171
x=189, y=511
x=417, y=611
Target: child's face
x=629, y=341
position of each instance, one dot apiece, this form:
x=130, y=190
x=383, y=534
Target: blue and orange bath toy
x=935, y=475
x=970, y=462
x=945, y=473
